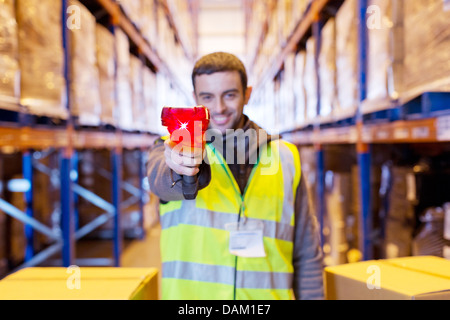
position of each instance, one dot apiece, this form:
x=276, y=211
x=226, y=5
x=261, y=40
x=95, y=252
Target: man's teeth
x=220, y=118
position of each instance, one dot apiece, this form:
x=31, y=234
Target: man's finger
x=182, y=170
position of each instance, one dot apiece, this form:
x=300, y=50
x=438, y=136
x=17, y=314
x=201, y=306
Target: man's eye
x=230, y=95
x=206, y=98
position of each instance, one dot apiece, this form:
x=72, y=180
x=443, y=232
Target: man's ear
x=248, y=94
x=194, y=96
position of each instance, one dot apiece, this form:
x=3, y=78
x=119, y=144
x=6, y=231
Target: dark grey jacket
x=307, y=255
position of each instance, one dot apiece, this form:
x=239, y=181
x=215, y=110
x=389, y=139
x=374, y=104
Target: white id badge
x=246, y=239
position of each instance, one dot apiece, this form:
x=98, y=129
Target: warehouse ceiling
x=221, y=26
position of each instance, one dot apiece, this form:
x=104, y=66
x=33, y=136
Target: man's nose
x=220, y=107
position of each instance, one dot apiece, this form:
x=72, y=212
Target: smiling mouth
x=221, y=119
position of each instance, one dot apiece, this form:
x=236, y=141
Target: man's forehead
x=228, y=80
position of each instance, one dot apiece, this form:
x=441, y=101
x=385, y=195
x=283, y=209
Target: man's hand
x=181, y=160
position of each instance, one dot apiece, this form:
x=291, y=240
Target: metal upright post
x=67, y=218
x=74, y=179
x=320, y=189
x=116, y=161
x=27, y=169
x=363, y=149
x=141, y=175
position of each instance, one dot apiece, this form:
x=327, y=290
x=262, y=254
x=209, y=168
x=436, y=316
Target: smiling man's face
x=223, y=94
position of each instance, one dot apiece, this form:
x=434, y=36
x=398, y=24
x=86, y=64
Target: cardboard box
x=409, y=278
x=81, y=283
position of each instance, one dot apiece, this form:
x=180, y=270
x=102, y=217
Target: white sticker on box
x=446, y=252
x=447, y=221
x=443, y=128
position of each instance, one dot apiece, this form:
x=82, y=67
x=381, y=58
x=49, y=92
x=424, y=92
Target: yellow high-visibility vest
x=196, y=261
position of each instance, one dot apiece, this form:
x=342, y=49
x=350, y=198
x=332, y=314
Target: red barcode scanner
x=187, y=127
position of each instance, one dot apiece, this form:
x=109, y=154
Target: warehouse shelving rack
x=67, y=139
x=423, y=120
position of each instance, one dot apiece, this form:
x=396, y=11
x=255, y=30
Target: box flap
x=395, y=282
x=86, y=273
x=426, y=264
x=101, y=283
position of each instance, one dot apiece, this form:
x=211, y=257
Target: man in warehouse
x=249, y=234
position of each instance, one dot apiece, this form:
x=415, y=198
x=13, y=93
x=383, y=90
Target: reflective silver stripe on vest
x=225, y=275
x=288, y=168
x=190, y=215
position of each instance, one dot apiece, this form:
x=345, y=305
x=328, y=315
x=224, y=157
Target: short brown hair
x=220, y=62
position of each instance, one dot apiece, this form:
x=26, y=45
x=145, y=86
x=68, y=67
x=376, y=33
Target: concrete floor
x=145, y=252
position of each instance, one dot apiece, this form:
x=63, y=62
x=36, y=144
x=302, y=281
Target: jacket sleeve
x=165, y=183
x=307, y=255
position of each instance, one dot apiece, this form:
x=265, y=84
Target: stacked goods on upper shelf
x=106, y=62
x=310, y=81
x=123, y=86
x=149, y=22
x=184, y=23
x=255, y=29
x=427, y=47
x=150, y=92
x=285, y=18
x=384, y=55
x=327, y=70
x=167, y=95
x=347, y=60
x=299, y=88
x=133, y=9
x=9, y=63
x=282, y=19
x=409, y=50
x=284, y=97
x=288, y=98
x=137, y=93
x=85, y=102
x=43, y=87
x=171, y=50
x=271, y=45
x=261, y=108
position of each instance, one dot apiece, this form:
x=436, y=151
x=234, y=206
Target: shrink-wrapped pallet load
x=123, y=86
x=347, y=60
x=85, y=103
x=149, y=21
x=152, y=119
x=106, y=68
x=327, y=70
x=137, y=94
x=427, y=47
x=285, y=103
x=311, y=81
x=385, y=54
x=299, y=88
x=9, y=60
x=133, y=10
x=408, y=51
x=42, y=84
